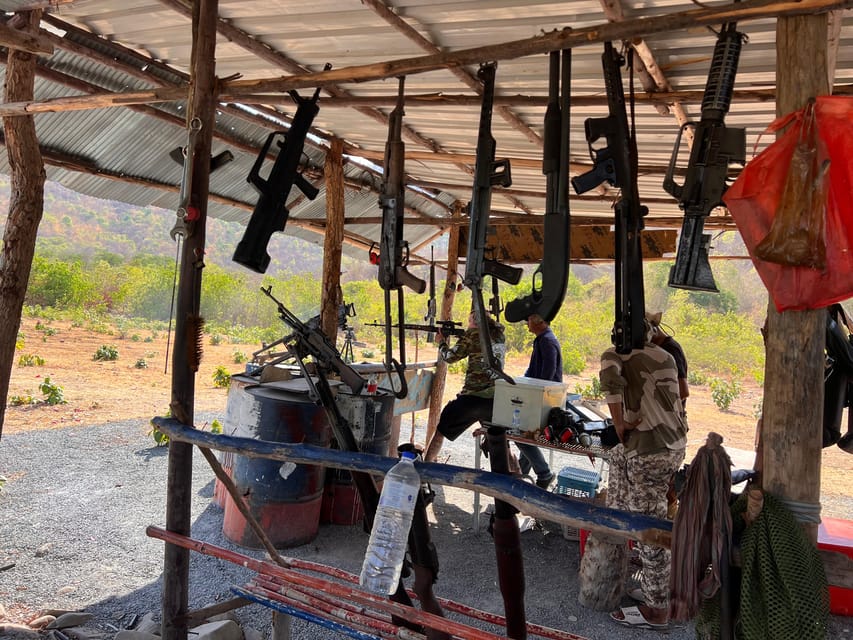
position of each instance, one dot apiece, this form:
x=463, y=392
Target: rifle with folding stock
x=270, y=213
x=305, y=341
x=487, y=172
x=393, y=250
x=551, y=276
x=616, y=163
x=715, y=149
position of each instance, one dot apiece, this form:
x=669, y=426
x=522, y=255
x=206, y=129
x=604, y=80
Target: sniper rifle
x=715, y=149
x=616, y=163
x=446, y=327
x=270, y=213
x=431, y=303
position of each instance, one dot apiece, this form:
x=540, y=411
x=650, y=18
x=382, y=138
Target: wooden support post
x=26, y=202
x=437, y=392
x=330, y=296
x=793, y=379
x=188, y=324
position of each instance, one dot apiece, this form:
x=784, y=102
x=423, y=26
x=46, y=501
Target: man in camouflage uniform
x=641, y=390
x=474, y=401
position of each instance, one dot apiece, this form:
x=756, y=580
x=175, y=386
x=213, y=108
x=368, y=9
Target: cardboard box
x=533, y=398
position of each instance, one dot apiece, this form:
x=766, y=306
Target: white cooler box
x=534, y=398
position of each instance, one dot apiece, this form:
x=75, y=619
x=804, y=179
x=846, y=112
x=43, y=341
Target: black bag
x=838, y=374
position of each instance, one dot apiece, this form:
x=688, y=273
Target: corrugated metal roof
x=132, y=142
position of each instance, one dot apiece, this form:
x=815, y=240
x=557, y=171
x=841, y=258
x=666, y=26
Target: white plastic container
x=383, y=561
x=529, y=400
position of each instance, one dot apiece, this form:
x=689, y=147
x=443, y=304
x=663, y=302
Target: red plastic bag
x=755, y=197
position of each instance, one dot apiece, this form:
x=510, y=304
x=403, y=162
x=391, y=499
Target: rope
x=808, y=512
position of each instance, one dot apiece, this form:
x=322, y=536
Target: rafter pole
x=552, y=41
x=330, y=298
x=188, y=324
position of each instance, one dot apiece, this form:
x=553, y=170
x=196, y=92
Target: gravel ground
x=77, y=502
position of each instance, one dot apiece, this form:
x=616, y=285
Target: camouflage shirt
x=478, y=380
x=645, y=383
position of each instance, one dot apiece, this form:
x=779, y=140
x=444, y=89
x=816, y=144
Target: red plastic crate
x=837, y=535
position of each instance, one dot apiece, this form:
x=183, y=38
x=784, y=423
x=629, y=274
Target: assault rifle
x=424, y=559
x=307, y=340
x=393, y=250
x=616, y=163
x=715, y=148
x=487, y=172
x=431, y=305
x=552, y=275
x=270, y=213
x=447, y=327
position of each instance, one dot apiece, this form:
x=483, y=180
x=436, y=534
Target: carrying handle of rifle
x=392, y=366
x=669, y=184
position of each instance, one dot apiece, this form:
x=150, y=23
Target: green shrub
x=592, y=391
x=215, y=426
x=239, y=357
x=105, y=352
x=723, y=393
x=221, y=377
x=141, y=364
x=367, y=354
x=52, y=392
x=30, y=360
x=574, y=361
x=19, y=341
x=216, y=339
x=697, y=377
x=17, y=401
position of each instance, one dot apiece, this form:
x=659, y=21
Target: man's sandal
x=634, y=618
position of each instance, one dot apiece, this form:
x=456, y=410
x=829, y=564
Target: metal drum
x=370, y=418
x=235, y=407
x=285, y=498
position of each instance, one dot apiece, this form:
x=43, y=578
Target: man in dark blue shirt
x=546, y=363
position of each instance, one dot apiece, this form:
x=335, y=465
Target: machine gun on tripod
x=487, y=172
x=617, y=164
x=305, y=341
x=715, y=149
x=552, y=275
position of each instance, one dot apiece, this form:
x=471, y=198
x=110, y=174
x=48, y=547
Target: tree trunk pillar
x=330, y=296
x=793, y=379
x=445, y=313
x=26, y=202
x=188, y=322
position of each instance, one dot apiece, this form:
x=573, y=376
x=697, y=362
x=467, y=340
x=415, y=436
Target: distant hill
x=78, y=225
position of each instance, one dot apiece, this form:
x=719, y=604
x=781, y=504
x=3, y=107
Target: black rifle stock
x=487, y=172
x=552, y=275
x=616, y=164
x=311, y=341
x=715, y=148
x=270, y=213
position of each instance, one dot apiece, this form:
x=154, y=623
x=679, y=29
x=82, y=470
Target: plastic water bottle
x=516, y=418
x=383, y=561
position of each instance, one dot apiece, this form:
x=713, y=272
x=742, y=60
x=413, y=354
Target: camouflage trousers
x=639, y=484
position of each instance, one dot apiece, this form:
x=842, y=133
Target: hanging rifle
x=270, y=213
x=305, y=341
x=617, y=164
x=431, y=305
x=487, y=172
x=715, y=149
x=552, y=275
x=495, y=306
x=393, y=250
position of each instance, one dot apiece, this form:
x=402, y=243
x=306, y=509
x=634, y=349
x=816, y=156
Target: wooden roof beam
x=553, y=41
x=21, y=40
